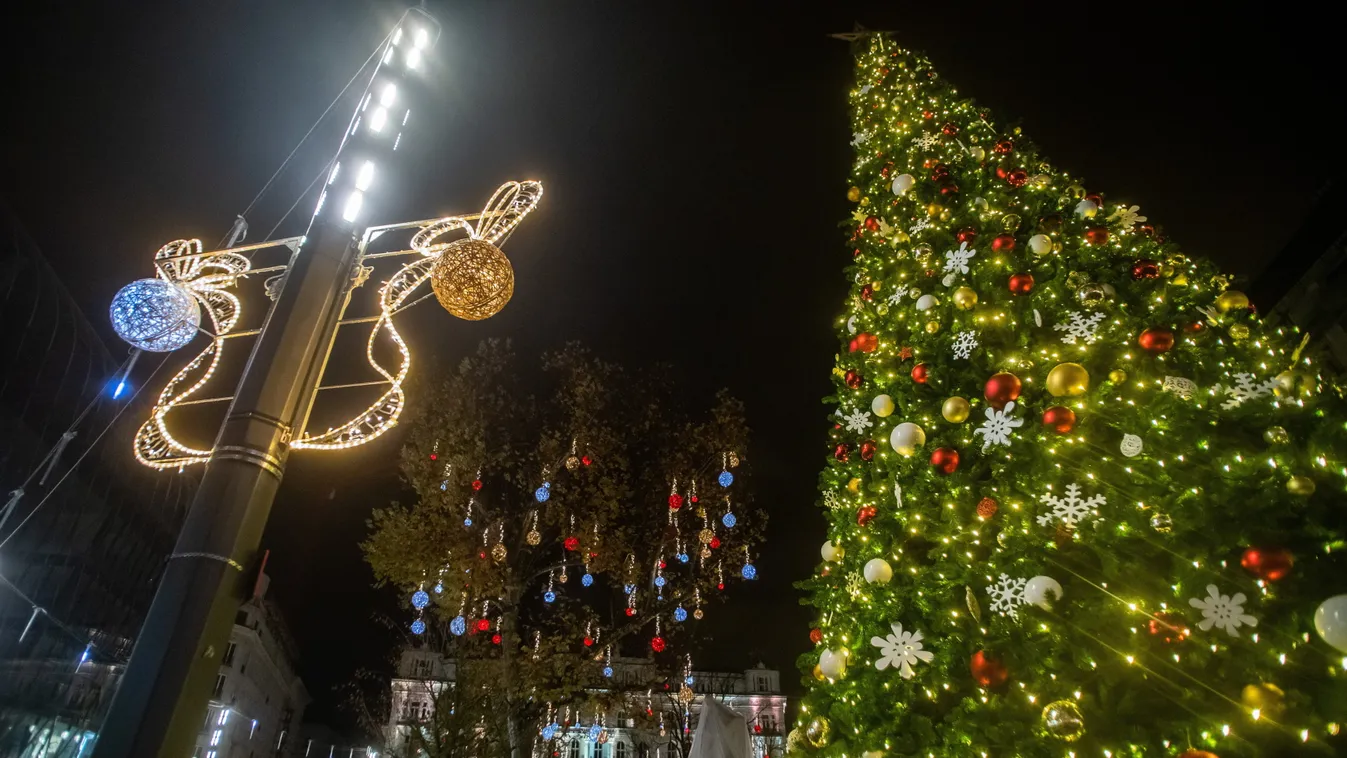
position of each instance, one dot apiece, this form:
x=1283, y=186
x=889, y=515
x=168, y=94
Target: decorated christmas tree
x=562, y=524
x=1083, y=499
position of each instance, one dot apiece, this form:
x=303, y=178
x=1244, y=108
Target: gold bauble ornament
x=955, y=410
x=1267, y=698
x=472, y=279
x=818, y=673
x=1290, y=383
x=686, y=695
x=1232, y=300
x=934, y=209
x=1276, y=435
x=572, y=462
x=1238, y=332
x=854, y=194
x=965, y=298
x=533, y=537
x=922, y=253
x=563, y=577
x=698, y=614
x=854, y=486
x=1180, y=279
x=705, y=552
x=932, y=327
x=1010, y=222
x=498, y=552
x=1063, y=720
x=1068, y=380
x=1117, y=376
x=1300, y=485
x=818, y=731
x=705, y=536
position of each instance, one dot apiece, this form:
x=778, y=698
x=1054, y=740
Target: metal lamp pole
x=161, y=704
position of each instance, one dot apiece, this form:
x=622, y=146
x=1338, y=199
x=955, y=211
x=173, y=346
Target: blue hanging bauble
x=660, y=581
x=628, y=588
x=155, y=315
x=420, y=599
x=726, y=479
x=688, y=680
x=467, y=522
x=439, y=588
x=549, y=597
x=587, y=579
x=444, y=485
x=549, y=731
x=543, y=493
x=749, y=571
x=458, y=626
x=608, y=671
x=680, y=614
x=729, y=520
x=418, y=627
x=594, y=733
x=682, y=557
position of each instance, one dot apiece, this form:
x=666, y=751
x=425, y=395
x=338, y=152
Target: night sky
x=695, y=162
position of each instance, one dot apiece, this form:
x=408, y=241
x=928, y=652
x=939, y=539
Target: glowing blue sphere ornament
x=587, y=579
x=549, y=731
x=420, y=599
x=726, y=479
x=458, y=626
x=467, y=521
x=608, y=671
x=682, y=557
x=729, y=520
x=543, y=493
x=418, y=627
x=749, y=571
x=594, y=733
x=680, y=614
x=688, y=680
x=155, y=315
x=549, y=597
x=628, y=588
x=439, y=588
x=444, y=485
x=660, y=581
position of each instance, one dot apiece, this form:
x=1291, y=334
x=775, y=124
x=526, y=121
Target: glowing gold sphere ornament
x=472, y=279
x=1232, y=300
x=1063, y=720
x=955, y=410
x=1068, y=380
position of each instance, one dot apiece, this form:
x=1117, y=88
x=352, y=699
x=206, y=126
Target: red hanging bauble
x=1096, y=235
x=872, y=223
x=476, y=484
x=714, y=543
x=950, y=128
x=987, y=507
x=967, y=234
x=853, y=379
x=865, y=342
x=589, y=641
x=434, y=456
x=1021, y=284
x=816, y=635
x=868, y=449
x=1145, y=268
x=694, y=498
x=1096, y=198
x=842, y=452
x=1001, y=171
x=572, y=543
x=939, y=171
x=495, y=639
x=675, y=500
x=865, y=514
x=945, y=459
x=1167, y=627
x=1017, y=177
x=867, y=293
x=1001, y=389
x=920, y=373
x=927, y=114
x=663, y=564
x=1060, y=419
x=631, y=611
x=1268, y=564
x=948, y=187
x=1004, y=147
x=1156, y=340
x=586, y=460
x=483, y=625
x=1003, y=243
x=720, y=586
x=987, y=671
x=657, y=644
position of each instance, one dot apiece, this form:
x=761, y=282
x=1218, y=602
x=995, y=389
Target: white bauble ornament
x=155, y=315
x=927, y=302
x=906, y=438
x=831, y=552
x=833, y=663
x=1130, y=445
x=878, y=571
x=978, y=154
x=1330, y=621
x=882, y=405
x=1087, y=208
x=1040, y=244
x=981, y=205
x=902, y=183
x=1042, y=591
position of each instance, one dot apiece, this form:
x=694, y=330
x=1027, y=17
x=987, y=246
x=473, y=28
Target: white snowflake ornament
x=898, y=294
x=921, y=226
x=956, y=261
x=1126, y=218
x=831, y=500
x=1070, y=510
x=857, y=421
x=865, y=89
x=996, y=429
x=1007, y=595
x=1222, y=611
x=1244, y=388
x=927, y=141
x=1079, y=326
x=859, y=138
x=964, y=344
x=901, y=650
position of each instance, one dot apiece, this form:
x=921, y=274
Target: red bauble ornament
x=586, y=460
x=1195, y=327
x=948, y=187
x=1156, y=340
x=1167, y=627
x=589, y=642
x=1001, y=171
x=663, y=564
x=842, y=452
x=693, y=498
x=1096, y=235
x=1268, y=564
x=1017, y=178
x=657, y=644
x=927, y=114
x=1003, y=243
x=675, y=501
x=868, y=449
x=1097, y=199
x=864, y=342
x=987, y=671
x=939, y=171
x=865, y=514
x=920, y=373
x=483, y=625
x=476, y=484
x=1021, y=284
x=631, y=611
x=1001, y=389
x=967, y=234
x=714, y=543
x=1004, y=147
x=572, y=543
x=872, y=223
x=816, y=636
x=720, y=586
x=495, y=639
x=853, y=379
x=434, y=456
x=867, y=293
x=950, y=128
x=1145, y=268
x=1060, y=419
x=945, y=459
x=987, y=507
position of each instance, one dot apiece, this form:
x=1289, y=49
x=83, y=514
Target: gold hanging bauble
x=1238, y=332
x=932, y=327
x=705, y=552
x=1117, y=376
x=563, y=577
x=854, y=486
x=818, y=731
x=1180, y=279
x=1290, y=383
x=498, y=552
x=705, y=536
x=533, y=537
x=1232, y=300
x=1063, y=720
x=1267, y=698
x=686, y=695
x=955, y=410
x=698, y=614
x=965, y=298
x=1068, y=380
x=854, y=194
x=472, y=279
x=818, y=673
x=1276, y=435
x=572, y=462
x=1300, y=485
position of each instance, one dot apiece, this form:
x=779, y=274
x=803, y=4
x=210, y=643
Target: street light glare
x=366, y=175
x=353, y=204
x=390, y=92
x=413, y=58
x=376, y=121
x=422, y=38
x=397, y=35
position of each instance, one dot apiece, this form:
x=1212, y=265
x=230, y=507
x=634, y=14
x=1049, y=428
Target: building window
x=598, y=750
x=768, y=722
x=422, y=667
x=219, y=686
x=574, y=751
x=229, y=654
x=619, y=749
x=760, y=683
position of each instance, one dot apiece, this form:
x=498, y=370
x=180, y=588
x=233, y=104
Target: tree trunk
x=509, y=633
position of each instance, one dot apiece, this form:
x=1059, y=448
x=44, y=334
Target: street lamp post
x=161, y=704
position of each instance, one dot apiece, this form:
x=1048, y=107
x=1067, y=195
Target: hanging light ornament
x=155, y=315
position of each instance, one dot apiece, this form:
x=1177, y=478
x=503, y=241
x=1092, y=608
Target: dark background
x=695, y=160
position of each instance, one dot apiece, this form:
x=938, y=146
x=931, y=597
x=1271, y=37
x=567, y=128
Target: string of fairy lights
x=1040, y=285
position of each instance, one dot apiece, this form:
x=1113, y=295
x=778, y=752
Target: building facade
x=665, y=731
